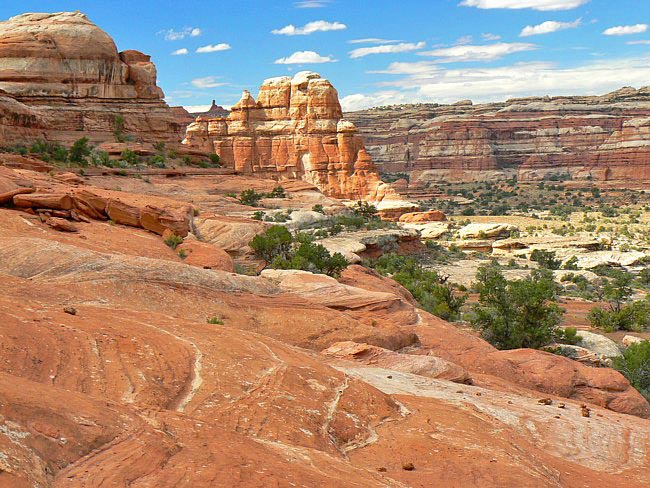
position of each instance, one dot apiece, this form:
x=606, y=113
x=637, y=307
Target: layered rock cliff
x=295, y=129
x=61, y=78
x=606, y=138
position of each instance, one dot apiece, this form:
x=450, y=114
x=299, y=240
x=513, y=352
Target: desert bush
x=546, y=259
x=79, y=151
x=318, y=208
x=173, y=241
x=635, y=366
x=277, y=192
x=431, y=291
x=215, y=320
x=634, y=316
x=274, y=243
x=366, y=210
x=515, y=314
x=129, y=157
x=250, y=197
x=215, y=160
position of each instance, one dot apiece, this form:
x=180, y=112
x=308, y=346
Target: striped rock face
x=294, y=130
x=62, y=77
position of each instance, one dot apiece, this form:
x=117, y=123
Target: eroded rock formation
x=295, y=129
x=61, y=78
x=606, y=138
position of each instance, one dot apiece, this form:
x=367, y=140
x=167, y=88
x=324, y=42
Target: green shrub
x=634, y=316
x=568, y=336
x=118, y=129
x=129, y=157
x=516, y=314
x=258, y=215
x=250, y=197
x=282, y=251
x=100, y=158
x=546, y=259
x=277, y=192
x=173, y=241
x=318, y=208
x=215, y=320
x=635, y=366
x=79, y=151
x=273, y=243
x=571, y=263
x=431, y=291
x=214, y=159
x=365, y=210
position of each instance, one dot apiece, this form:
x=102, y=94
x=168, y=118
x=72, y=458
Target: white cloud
x=624, y=30
x=643, y=42
x=174, y=35
x=305, y=57
x=520, y=4
x=487, y=36
x=471, y=52
x=464, y=40
x=213, y=48
x=548, y=27
x=430, y=82
x=207, y=82
x=312, y=3
x=180, y=52
x=373, y=40
x=197, y=109
x=309, y=28
x=386, y=48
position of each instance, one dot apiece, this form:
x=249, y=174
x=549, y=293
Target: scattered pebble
x=70, y=310
x=408, y=467
x=545, y=401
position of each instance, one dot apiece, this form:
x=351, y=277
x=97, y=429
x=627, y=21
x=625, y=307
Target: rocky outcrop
x=61, y=78
x=295, y=129
x=606, y=138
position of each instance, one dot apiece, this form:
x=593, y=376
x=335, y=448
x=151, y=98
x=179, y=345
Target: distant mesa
x=599, y=138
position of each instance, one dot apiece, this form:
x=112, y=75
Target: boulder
x=392, y=210
x=430, y=230
x=478, y=230
x=598, y=344
x=629, y=340
x=423, y=217
x=610, y=258
x=206, y=256
x=429, y=366
x=60, y=224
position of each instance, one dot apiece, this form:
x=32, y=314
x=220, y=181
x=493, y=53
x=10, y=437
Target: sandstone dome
x=65, y=54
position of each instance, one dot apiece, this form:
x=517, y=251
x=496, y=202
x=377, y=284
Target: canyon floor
x=127, y=363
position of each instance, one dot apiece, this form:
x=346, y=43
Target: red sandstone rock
x=207, y=256
x=62, y=225
x=604, y=137
x=420, y=217
x=429, y=366
x=61, y=77
x=294, y=130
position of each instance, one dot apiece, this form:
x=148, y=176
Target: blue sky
x=379, y=52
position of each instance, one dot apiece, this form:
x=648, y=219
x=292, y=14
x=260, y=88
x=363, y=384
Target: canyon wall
x=61, y=78
x=295, y=129
x=604, y=138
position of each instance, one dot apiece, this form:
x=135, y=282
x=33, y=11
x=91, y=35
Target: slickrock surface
x=111, y=374
x=61, y=78
x=605, y=137
x=295, y=129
